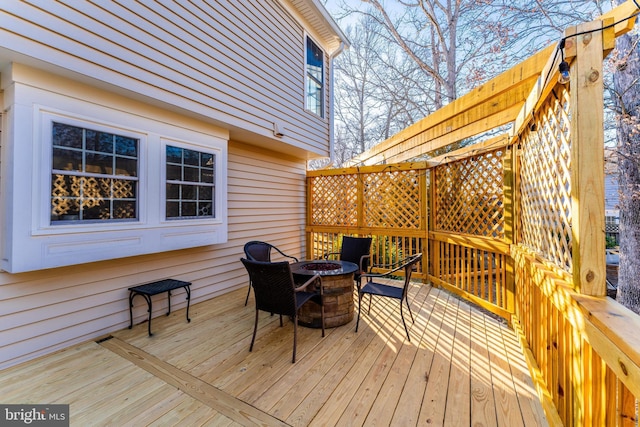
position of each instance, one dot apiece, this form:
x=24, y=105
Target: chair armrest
x=285, y=255
x=306, y=284
x=362, y=258
x=328, y=254
x=399, y=266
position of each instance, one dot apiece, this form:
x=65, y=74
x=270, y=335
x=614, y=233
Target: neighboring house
x=611, y=196
x=145, y=140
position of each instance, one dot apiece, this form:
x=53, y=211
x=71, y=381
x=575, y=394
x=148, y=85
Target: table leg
x=188, y=289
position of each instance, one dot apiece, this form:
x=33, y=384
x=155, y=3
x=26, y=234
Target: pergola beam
x=500, y=93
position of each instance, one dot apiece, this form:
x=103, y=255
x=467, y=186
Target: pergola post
x=587, y=158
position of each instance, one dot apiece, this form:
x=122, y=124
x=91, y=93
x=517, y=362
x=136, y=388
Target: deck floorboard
x=461, y=367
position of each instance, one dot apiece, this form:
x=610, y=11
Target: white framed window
x=314, y=79
x=91, y=183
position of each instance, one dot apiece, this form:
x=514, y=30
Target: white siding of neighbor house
x=237, y=63
x=51, y=309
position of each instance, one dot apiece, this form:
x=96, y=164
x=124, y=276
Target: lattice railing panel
x=469, y=196
x=392, y=199
x=334, y=200
x=545, y=182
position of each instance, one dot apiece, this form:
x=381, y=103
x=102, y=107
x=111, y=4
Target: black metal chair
x=356, y=250
x=276, y=292
x=261, y=251
x=383, y=290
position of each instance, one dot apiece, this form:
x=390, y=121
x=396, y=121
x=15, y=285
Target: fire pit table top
x=323, y=268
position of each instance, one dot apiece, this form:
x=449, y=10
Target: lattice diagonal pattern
x=392, y=199
x=469, y=196
x=334, y=200
x=545, y=182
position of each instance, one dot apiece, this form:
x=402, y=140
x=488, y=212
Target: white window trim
x=306, y=78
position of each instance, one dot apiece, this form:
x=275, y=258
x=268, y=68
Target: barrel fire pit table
x=337, y=283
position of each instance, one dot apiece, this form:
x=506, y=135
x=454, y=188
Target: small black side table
x=154, y=288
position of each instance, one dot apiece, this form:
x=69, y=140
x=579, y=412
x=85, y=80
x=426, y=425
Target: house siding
x=226, y=61
x=51, y=309
x=226, y=69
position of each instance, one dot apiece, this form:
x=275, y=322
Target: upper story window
x=94, y=175
x=190, y=186
x=314, y=78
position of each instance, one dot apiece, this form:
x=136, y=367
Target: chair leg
x=359, y=307
x=255, y=329
x=403, y=322
x=409, y=307
x=295, y=337
x=369, y=309
x=246, y=301
x=280, y=320
x=322, y=317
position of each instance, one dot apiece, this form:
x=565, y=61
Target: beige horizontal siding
x=240, y=63
x=52, y=309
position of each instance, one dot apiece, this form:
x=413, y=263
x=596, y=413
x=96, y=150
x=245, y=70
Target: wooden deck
x=461, y=368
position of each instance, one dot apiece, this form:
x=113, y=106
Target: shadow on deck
x=462, y=367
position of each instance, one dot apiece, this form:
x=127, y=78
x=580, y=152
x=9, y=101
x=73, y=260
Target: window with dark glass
x=94, y=175
x=190, y=186
x=314, y=80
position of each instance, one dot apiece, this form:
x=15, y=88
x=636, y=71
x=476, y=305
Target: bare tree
x=626, y=82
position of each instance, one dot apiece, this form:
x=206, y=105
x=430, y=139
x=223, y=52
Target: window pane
x=174, y=173
x=173, y=191
x=99, y=163
x=126, y=146
x=96, y=211
x=191, y=157
x=124, y=189
x=205, y=193
x=173, y=209
x=191, y=174
x=188, y=209
x=206, y=175
x=315, y=78
x=66, y=136
x=188, y=192
x=126, y=167
x=204, y=209
x=124, y=209
x=67, y=160
x=99, y=141
x=206, y=160
x=174, y=154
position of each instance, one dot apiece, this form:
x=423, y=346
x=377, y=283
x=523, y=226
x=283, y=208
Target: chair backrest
x=409, y=267
x=353, y=248
x=258, y=251
x=261, y=251
x=273, y=286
